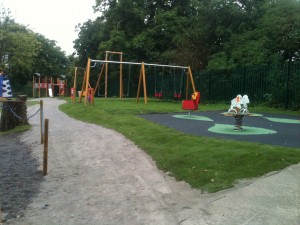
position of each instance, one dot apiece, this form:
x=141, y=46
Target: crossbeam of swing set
x=142, y=77
x=136, y=63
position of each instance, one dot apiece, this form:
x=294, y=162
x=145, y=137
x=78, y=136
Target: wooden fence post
x=41, y=120
x=45, y=161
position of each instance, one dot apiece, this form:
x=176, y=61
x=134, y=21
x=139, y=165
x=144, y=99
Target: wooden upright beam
x=144, y=83
x=106, y=74
x=99, y=77
x=142, y=78
x=191, y=79
x=121, y=75
x=87, y=82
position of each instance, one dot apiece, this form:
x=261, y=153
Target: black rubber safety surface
x=285, y=129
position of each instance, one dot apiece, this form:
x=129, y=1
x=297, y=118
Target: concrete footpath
x=97, y=176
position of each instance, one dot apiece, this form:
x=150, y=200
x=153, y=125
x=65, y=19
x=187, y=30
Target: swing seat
x=191, y=104
x=158, y=95
x=177, y=95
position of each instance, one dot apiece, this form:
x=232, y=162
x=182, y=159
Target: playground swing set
x=86, y=87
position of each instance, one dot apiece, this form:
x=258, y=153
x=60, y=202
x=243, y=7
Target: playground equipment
x=73, y=90
x=191, y=104
x=108, y=54
x=41, y=83
x=142, y=76
x=51, y=88
x=238, y=109
x=239, y=105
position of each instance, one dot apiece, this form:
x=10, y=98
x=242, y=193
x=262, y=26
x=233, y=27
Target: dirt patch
x=19, y=176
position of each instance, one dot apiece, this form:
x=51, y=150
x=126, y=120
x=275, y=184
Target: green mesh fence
x=273, y=85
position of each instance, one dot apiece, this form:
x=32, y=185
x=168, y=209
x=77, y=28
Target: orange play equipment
x=191, y=104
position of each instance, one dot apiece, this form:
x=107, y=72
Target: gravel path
x=97, y=176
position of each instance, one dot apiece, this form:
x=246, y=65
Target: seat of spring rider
x=191, y=104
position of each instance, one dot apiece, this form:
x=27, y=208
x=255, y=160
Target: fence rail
x=275, y=85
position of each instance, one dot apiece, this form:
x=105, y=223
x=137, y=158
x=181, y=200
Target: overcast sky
x=55, y=19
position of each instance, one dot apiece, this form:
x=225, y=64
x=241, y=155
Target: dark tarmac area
x=287, y=134
x=19, y=177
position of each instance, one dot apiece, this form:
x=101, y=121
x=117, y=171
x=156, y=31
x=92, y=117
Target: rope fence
x=17, y=116
x=14, y=113
x=9, y=114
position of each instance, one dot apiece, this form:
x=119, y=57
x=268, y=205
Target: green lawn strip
x=206, y=163
x=17, y=129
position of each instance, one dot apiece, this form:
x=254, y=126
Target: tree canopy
x=205, y=34
x=201, y=33
x=23, y=52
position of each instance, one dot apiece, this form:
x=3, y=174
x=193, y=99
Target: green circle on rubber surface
x=282, y=120
x=192, y=117
x=229, y=129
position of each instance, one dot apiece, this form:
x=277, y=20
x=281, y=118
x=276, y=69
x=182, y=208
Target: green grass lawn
x=205, y=163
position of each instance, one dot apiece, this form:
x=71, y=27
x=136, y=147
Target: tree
x=281, y=26
x=200, y=33
x=274, y=37
x=23, y=52
x=18, y=48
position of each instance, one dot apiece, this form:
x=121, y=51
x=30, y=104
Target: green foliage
x=206, y=163
x=17, y=129
x=23, y=53
x=204, y=34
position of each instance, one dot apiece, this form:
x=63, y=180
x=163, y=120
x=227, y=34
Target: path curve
x=97, y=176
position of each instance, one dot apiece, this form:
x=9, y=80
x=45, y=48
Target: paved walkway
x=97, y=176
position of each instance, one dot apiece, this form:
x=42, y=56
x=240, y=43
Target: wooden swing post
x=73, y=90
x=189, y=77
x=82, y=86
x=99, y=77
x=142, y=78
x=121, y=75
x=106, y=74
x=87, y=81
